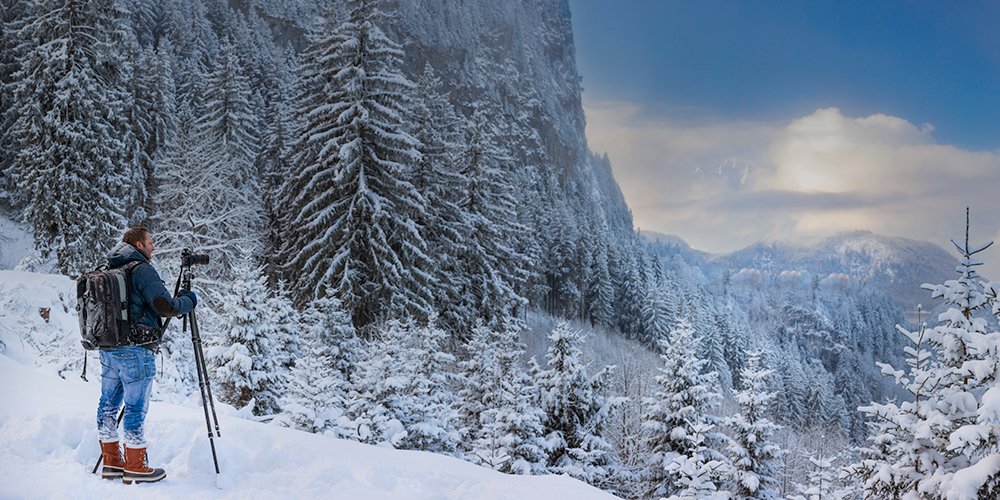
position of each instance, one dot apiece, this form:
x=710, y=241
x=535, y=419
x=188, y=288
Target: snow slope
x=48, y=439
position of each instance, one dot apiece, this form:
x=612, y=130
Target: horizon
x=880, y=118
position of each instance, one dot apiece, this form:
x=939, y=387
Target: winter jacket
x=150, y=299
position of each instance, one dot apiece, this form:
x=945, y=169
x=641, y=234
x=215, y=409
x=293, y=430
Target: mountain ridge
x=896, y=265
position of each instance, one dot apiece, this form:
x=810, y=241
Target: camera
x=190, y=259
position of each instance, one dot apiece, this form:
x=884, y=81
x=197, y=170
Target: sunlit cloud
x=722, y=185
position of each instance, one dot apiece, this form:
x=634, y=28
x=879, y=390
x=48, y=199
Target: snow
x=15, y=242
x=966, y=482
x=48, y=437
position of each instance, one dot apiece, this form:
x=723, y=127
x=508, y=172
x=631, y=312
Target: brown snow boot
x=114, y=464
x=137, y=469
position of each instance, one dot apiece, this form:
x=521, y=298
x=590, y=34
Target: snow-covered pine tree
x=435, y=125
x=232, y=130
x=75, y=169
x=562, y=260
x=499, y=405
x=576, y=410
x=12, y=19
x=714, y=348
x=630, y=287
x=752, y=453
x=314, y=400
x=154, y=116
x=400, y=394
x=824, y=408
x=676, y=419
x=186, y=185
x=432, y=417
x=945, y=442
x=318, y=386
x=378, y=404
x=794, y=386
x=275, y=159
x=243, y=354
x=697, y=476
x=489, y=257
x=659, y=315
x=350, y=200
x=600, y=291
x=822, y=483
x=285, y=322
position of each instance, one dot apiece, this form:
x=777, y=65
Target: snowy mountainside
x=673, y=244
x=47, y=429
x=896, y=266
x=520, y=54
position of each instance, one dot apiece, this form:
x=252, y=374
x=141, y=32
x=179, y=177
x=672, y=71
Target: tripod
x=199, y=359
x=184, y=283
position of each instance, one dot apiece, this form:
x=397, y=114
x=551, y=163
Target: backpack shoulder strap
x=129, y=268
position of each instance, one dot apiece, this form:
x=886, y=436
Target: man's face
x=146, y=247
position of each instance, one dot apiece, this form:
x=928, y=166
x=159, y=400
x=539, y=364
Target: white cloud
x=722, y=185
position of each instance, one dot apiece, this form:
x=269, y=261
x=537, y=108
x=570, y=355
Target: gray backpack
x=103, y=305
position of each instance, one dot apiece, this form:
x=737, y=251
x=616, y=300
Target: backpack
x=103, y=298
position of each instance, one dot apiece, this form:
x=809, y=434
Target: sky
x=729, y=123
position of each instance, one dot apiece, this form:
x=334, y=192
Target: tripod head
x=189, y=259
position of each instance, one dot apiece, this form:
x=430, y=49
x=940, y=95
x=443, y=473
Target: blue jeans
x=126, y=375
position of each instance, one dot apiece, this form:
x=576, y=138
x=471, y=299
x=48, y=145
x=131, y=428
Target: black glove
x=190, y=294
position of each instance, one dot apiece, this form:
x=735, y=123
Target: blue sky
x=730, y=122
x=927, y=62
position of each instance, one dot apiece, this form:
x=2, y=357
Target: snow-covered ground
x=48, y=437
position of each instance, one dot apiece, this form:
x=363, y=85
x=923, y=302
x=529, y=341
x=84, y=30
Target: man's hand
x=189, y=294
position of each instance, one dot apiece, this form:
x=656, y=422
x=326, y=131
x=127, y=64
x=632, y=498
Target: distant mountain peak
x=894, y=264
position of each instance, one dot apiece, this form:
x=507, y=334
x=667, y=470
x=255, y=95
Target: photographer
x=127, y=370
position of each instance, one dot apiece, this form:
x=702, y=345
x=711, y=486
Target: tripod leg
x=202, y=385
x=200, y=356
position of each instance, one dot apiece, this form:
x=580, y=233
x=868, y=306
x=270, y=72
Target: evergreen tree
x=314, y=391
x=500, y=408
x=243, y=354
x=697, y=475
x=153, y=116
x=400, y=395
x=187, y=189
x=489, y=257
x=285, y=325
x=329, y=323
x=377, y=404
x=795, y=387
x=677, y=421
x=945, y=442
x=658, y=315
x=231, y=130
x=319, y=385
x=274, y=162
x=630, y=293
x=576, y=410
x=435, y=125
x=12, y=18
x=76, y=171
x=432, y=418
x=600, y=293
x=754, y=456
x=351, y=204
x=822, y=482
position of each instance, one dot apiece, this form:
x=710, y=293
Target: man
x=127, y=371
